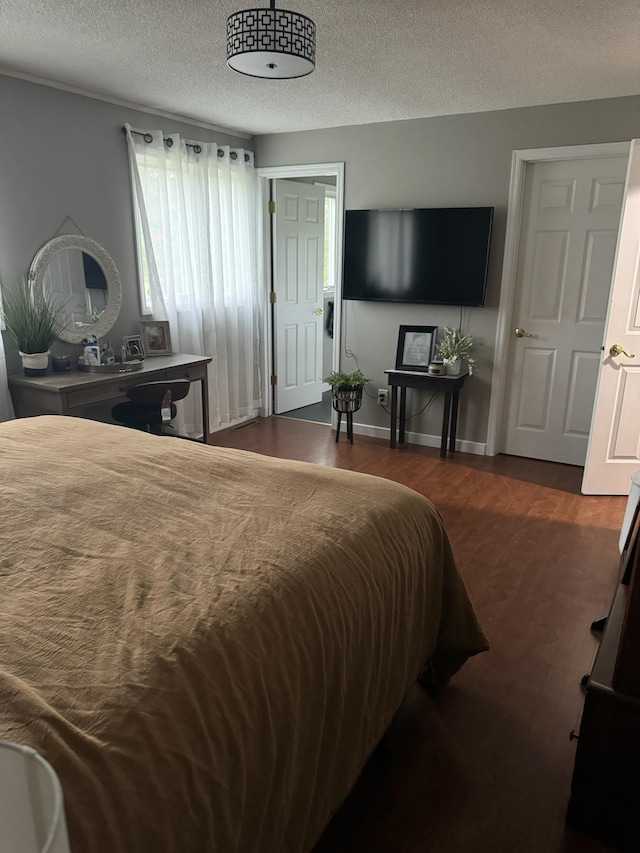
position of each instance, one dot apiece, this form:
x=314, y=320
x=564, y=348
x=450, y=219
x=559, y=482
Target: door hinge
x=272, y=206
x=273, y=297
x=274, y=379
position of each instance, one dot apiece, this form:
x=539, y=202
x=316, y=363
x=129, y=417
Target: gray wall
x=61, y=155
x=461, y=160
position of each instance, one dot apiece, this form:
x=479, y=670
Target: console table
x=449, y=385
x=65, y=393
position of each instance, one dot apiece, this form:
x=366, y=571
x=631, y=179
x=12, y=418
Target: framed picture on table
x=133, y=347
x=416, y=347
x=156, y=337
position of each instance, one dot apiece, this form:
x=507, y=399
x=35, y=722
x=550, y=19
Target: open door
x=571, y=212
x=298, y=228
x=613, y=454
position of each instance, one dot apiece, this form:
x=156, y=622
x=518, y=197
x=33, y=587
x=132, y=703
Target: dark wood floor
x=486, y=765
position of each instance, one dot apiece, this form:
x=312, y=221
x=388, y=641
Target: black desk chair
x=151, y=406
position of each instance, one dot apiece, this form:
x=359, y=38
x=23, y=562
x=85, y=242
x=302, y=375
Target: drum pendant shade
x=271, y=43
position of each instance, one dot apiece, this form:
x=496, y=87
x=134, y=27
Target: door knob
x=616, y=349
x=520, y=333
x=319, y=311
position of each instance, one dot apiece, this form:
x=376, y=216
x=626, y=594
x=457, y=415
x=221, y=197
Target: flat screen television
x=437, y=256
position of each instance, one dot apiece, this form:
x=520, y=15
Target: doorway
x=562, y=228
x=303, y=257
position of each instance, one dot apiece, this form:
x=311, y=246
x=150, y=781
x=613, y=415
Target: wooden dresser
x=605, y=790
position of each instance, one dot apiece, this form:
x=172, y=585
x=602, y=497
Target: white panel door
x=64, y=280
x=298, y=310
x=614, y=445
x=568, y=236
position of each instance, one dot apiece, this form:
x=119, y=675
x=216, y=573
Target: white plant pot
x=35, y=363
x=452, y=366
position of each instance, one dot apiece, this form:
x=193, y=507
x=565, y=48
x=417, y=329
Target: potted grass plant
x=452, y=348
x=347, y=389
x=34, y=324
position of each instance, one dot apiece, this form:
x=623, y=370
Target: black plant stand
x=346, y=403
x=349, y=416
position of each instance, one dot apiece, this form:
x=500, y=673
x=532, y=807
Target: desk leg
x=205, y=409
x=49, y=404
x=445, y=424
x=454, y=422
x=403, y=412
x=394, y=414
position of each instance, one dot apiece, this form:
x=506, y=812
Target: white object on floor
x=632, y=503
x=31, y=807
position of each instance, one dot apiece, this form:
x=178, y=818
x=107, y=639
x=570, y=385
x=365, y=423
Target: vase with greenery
x=34, y=324
x=452, y=348
x=347, y=389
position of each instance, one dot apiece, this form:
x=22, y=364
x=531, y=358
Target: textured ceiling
x=377, y=60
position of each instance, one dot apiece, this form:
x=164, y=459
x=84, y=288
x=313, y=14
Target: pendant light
x=272, y=43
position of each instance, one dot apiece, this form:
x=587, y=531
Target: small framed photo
x=156, y=337
x=416, y=347
x=133, y=347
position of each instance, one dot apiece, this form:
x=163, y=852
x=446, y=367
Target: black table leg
x=403, y=413
x=338, y=429
x=394, y=415
x=454, y=422
x=445, y=424
x=350, y=426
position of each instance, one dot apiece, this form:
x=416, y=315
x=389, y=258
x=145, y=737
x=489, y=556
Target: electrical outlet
x=383, y=396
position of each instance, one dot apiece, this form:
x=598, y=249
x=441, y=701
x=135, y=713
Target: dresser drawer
x=198, y=371
x=105, y=391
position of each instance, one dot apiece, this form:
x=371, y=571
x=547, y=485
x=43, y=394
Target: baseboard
x=476, y=447
x=236, y=423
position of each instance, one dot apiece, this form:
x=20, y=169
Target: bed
x=207, y=644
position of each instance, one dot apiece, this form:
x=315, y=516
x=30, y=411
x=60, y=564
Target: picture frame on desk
x=156, y=337
x=416, y=347
x=133, y=347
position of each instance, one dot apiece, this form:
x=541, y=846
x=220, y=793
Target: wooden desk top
x=72, y=379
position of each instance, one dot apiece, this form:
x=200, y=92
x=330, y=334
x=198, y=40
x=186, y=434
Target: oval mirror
x=80, y=275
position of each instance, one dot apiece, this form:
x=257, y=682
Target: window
x=329, y=284
x=161, y=190
x=188, y=240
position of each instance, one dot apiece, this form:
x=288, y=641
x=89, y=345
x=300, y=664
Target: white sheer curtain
x=195, y=207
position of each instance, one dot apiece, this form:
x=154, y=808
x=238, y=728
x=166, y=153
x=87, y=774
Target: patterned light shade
x=272, y=42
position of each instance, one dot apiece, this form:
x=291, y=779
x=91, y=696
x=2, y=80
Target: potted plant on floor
x=452, y=347
x=34, y=324
x=347, y=389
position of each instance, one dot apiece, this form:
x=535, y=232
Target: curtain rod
x=168, y=142
x=197, y=148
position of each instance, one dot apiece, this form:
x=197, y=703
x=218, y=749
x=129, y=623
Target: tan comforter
x=207, y=644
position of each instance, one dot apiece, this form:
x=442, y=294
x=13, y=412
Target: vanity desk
x=67, y=393
x=79, y=278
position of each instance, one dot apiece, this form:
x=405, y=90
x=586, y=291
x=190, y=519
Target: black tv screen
x=437, y=256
